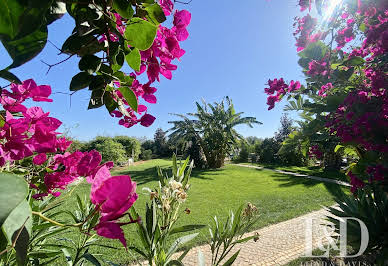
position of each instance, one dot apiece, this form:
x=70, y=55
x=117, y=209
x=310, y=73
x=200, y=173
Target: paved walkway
x=323, y=179
x=278, y=244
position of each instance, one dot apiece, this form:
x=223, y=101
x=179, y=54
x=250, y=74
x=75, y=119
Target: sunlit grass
x=214, y=192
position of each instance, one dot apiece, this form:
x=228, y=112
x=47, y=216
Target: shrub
x=131, y=145
x=111, y=151
x=146, y=155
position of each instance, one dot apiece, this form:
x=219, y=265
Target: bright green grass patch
x=278, y=197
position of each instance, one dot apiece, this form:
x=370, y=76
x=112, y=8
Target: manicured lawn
x=307, y=170
x=214, y=192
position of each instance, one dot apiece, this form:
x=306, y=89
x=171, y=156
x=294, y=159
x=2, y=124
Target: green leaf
x=80, y=81
x=134, y=59
x=124, y=8
x=11, y=12
x=314, y=51
x=140, y=33
x=186, y=228
x=155, y=14
x=201, y=258
x=109, y=102
x=5, y=74
x=355, y=61
x=13, y=190
x=91, y=259
x=130, y=97
x=98, y=82
x=89, y=63
x=338, y=147
x=20, y=216
x=180, y=241
x=24, y=49
x=21, y=245
x=231, y=259
x=67, y=255
x=96, y=99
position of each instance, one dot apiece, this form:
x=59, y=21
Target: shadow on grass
x=289, y=180
x=150, y=174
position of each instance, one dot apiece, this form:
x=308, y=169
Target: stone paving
x=278, y=244
x=297, y=174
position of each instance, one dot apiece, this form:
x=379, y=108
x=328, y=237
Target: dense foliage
x=344, y=99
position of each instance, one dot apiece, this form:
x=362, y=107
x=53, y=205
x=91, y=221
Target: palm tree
x=213, y=128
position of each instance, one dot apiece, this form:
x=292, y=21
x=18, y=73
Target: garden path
x=323, y=179
x=278, y=244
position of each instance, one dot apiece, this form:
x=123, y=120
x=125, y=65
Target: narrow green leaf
x=180, y=241
x=89, y=257
x=186, y=228
x=133, y=59
x=140, y=33
x=231, y=259
x=130, y=97
x=201, y=258
x=67, y=255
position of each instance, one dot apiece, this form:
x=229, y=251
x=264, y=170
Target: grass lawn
x=278, y=197
x=307, y=170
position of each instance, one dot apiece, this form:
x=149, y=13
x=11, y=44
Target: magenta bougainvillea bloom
x=113, y=196
x=147, y=120
x=39, y=159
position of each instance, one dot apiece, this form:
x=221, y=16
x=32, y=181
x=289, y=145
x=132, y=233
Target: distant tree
x=160, y=142
x=111, y=151
x=267, y=151
x=146, y=155
x=244, y=152
x=148, y=145
x=285, y=128
x=131, y=145
x=213, y=127
x=252, y=140
x=77, y=145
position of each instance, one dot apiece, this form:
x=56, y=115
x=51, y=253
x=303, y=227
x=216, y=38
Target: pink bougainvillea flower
x=111, y=230
x=167, y=6
x=113, y=196
x=89, y=162
x=147, y=120
x=39, y=159
x=63, y=144
x=294, y=86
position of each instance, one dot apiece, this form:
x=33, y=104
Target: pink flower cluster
x=317, y=68
x=346, y=34
x=154, y=61
x=279, y=87
x=314, y=151
x=303, y=33
x=363, y=119
x=30, y=132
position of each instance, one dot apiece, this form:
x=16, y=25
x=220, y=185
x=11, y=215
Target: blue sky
x=233, y=48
